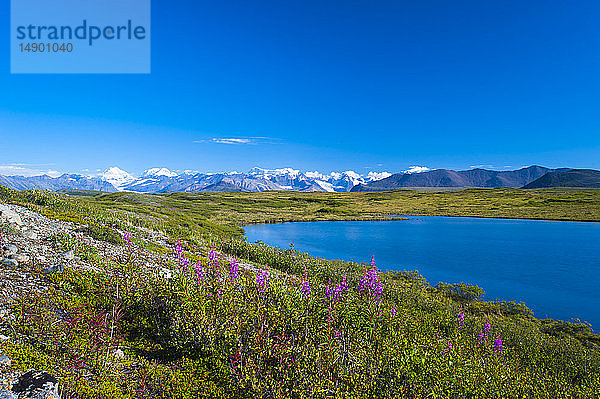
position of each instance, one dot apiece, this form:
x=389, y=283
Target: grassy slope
x=186, y=338
x=238, y=209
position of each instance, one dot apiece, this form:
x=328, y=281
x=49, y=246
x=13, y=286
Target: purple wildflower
x=370, y=281
x=127, y=237
x=461, y=319
x=487, y=327
x=184, y=263
x=480, y=338
x=393, y=311
x=305, y=287
x=334, y=293
x=199, y=272
x=262, y=281
x=212, y=255
x=498, y=345
x=233, y=269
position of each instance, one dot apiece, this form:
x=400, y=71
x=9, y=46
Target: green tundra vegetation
x=292, y=326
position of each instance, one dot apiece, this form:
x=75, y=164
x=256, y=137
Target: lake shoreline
x=406, y=217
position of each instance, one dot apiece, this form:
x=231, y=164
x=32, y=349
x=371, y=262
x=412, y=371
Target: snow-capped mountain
x=158, y=172
x=117, y=177
x=158, y=180
x=163, y=180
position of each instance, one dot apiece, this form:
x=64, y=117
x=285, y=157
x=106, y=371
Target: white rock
x=10, y=262
x=165, y=273
x=4, y=394
x=12, y=217
x=69, y=255
x=5, y=361
x=11, y=249
x=24, y=258
x=30, y=235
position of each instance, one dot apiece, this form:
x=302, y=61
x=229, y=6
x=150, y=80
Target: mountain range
x=163, y=180
x=444, y=178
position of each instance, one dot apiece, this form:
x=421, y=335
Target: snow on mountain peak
x=374, y=176
x=316, y=175
x=256, y=171
x=117, y=177
x=157, y=172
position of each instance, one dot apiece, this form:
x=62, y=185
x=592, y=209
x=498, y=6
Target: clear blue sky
x=325, y=85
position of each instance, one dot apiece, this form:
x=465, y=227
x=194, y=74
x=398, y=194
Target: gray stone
x=165, y=273
x=30, y=235
x=69, y=255
x=11, y=249
x=12, y=217
x=5, y=361
x=10, y=262
x=20, y=258
x=118, y=354
x=4, y=394
x=4, y=338
x=54, y=269
x=36, y=384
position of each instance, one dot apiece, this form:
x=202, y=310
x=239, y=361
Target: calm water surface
x=554, y=267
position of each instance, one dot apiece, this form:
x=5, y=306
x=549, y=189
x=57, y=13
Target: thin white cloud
x=416, y=169
x=239, y=140
x=231, y=141
x=481, y=166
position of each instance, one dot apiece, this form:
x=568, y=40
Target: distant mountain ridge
x=162, y=180
x=574, y=178
x=443, y=178
x=66, y=181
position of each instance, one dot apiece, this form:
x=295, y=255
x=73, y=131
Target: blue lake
x=554, y=267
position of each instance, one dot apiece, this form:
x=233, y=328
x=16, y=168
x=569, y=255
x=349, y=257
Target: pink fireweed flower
x=461, y=319
x=498, y=345
x=305, y=287
x=184, y=263
x=233, y=269
x=487, y=327
x=480, y=338
x=334, y=293
x=393, y=311
x=212, y=255
x=127, y=237
x=199, y=272
x=370, y=282
x=262, y=281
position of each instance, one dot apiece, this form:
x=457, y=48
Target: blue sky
x=324, y=85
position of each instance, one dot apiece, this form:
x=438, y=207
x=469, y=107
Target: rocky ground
x=29, y=252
